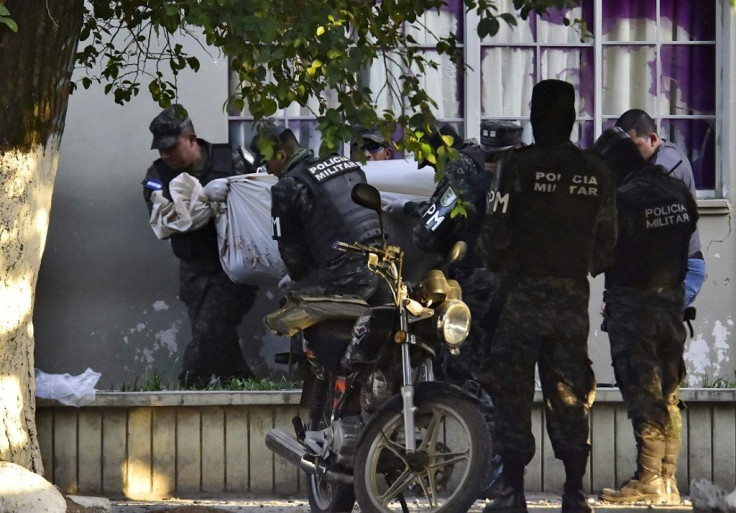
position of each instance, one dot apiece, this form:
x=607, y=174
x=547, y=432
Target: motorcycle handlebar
x=353, y=248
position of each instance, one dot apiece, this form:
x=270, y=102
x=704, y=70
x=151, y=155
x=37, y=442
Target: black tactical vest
x=198, y=244
x=335, y=216
x=656, y=218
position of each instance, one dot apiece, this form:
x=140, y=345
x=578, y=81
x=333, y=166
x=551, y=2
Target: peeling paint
x=706, y=359
x=697, y=357
x=167, y=338
x=138, y=328
x=720, y=337
x=160, y=305
x=148, y=356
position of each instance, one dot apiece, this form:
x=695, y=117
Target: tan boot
x=669, y=469
x=671, y=492
x=647, y=485
x=636, y=490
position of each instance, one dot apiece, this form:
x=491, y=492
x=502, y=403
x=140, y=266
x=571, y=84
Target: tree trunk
x=36, y=65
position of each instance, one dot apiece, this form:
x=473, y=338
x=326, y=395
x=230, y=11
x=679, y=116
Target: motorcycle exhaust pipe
x=293, y=451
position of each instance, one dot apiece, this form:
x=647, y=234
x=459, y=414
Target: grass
x=154, y=383
x=719, y=382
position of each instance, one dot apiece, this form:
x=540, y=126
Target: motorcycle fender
x=423, y=392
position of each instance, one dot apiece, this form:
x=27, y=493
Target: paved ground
x=536, y=503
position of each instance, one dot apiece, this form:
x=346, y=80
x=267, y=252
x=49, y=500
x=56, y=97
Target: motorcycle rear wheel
x=448, y=469
x=325, y=497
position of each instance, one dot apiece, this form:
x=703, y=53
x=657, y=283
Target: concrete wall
x=106, y=295
x=107, y=290
x=157, y=445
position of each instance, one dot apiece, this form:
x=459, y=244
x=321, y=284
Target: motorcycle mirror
x=367, y=196
x=249, y=159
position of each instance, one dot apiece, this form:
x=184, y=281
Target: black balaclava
x=552, y=111
x=619, y=151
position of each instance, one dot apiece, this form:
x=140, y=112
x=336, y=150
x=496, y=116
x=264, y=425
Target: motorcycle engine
x=375, y=392
x=343, y=439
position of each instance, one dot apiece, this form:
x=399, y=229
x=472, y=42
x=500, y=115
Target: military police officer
x=553, y=220
x=312, y=209
x=644, y=297
x=215, y=305
x=655, y=150
x=465, y=180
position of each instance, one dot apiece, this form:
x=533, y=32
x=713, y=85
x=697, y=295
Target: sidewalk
x=541, y=503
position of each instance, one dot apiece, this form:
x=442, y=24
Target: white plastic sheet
x=248, y=253
x=189, y=209
x=70, y=390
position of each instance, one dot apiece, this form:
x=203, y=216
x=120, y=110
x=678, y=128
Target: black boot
x=573, y=498
x=510, y=498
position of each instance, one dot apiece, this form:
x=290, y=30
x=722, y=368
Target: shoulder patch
x=154, y=184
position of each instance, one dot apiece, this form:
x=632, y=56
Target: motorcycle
x=382, y=429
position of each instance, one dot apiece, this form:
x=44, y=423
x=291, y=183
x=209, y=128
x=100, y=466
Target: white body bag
x=248, y=252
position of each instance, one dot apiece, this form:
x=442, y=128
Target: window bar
x=472, y=76
x=598, y=71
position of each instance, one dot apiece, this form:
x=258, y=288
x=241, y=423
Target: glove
x=285, y=282
x=396, y=206
x=217, y=190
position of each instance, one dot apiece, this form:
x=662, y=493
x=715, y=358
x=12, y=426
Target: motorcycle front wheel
x=325, y=497
x=445, y=473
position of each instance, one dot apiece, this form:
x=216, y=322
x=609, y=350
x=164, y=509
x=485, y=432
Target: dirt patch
x=190, y=509
x=73, y=507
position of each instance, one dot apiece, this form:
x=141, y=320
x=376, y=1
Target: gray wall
x=107, y=291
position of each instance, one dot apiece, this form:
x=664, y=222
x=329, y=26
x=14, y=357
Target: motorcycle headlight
x=453, y=322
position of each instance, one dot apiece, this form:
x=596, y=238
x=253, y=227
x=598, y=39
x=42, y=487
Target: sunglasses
x=373, y=147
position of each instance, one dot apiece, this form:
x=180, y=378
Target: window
x=657, y=55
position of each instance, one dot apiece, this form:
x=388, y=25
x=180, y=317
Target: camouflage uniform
x=553, y=220
x=215, y=305
x=644, y=300
x=309, y=216
x=544, y=321
x=647, y=341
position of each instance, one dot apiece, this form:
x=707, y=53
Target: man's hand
x=217, y=190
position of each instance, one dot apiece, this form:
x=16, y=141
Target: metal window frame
x=725, y=31
x=472, y=48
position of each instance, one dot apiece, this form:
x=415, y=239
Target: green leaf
x=193, y=63
x=488, y=27
x=10, y=23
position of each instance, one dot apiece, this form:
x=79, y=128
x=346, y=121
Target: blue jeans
x=694, y=279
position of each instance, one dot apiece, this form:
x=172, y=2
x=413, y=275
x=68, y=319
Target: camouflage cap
x=367, y=134
x=167, y=126
x=499, y=135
